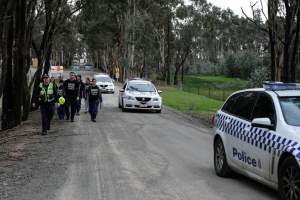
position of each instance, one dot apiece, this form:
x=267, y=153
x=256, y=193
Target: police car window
x=244, y=105
x=230, y=103
x=291, y=110
x=264, y=108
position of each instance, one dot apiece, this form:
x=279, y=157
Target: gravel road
x=124, y=156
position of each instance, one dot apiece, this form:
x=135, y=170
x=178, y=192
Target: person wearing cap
x=95, y=98
x=71, y=89
x=81, y=93
x=61, y=100
x=47, y=98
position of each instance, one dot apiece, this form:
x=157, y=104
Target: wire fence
x=210, y=92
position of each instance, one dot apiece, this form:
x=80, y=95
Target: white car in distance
x=140, y=95
x=105, y=83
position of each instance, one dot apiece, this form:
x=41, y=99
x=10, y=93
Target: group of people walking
x=66, y=97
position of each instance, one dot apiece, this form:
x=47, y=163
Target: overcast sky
x=236, y=5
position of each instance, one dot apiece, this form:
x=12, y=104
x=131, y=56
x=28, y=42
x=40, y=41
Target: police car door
x=257, y=148
x=238, y=125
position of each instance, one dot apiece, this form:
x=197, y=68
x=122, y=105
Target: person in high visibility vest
x=47, y=98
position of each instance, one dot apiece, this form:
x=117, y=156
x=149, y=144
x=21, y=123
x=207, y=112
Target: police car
x=138, y=94
x=105, y=83
x=257, y=133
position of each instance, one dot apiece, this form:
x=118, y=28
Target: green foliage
x=187, y=102
x=258, y=76
x=242, y=64
x=215, y=87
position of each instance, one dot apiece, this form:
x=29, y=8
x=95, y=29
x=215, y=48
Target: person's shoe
x=78, y=114
x=67, y=119
x=72, y=120
x=44, y=133
x=93, y=120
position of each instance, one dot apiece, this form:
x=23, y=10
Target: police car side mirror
x=263, y=123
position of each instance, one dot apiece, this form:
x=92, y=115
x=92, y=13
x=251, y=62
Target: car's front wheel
x=289, y=180
x=123, y=107
x=220, y=162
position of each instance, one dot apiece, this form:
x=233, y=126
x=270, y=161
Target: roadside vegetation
x=214, y=87
x=196, y=105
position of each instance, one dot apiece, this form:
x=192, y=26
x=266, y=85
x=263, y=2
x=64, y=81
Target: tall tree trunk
x=8, y=106
x=168, y=60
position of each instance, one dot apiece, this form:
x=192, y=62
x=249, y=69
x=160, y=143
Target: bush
x=206, y=69
x=258, y=76
x=242, y=64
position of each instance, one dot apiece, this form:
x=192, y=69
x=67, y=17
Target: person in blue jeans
x=95, y=99
x=71, y=89
x=81, y=93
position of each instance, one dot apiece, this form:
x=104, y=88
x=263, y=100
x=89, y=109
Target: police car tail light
x=212, y=122
x=269, y=85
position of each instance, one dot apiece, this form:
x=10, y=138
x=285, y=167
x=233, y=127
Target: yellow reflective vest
x=47, y=95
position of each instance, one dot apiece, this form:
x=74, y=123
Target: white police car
x=258, y=135
x=105, y=83
x=139, y=94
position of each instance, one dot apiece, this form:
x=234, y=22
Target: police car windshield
x=102, y=79
x=141, y=87
x=291, y=110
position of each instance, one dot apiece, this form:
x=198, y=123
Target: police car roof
x=288, y=93
x=139, y=81
x=280, y=93
x=101, y=74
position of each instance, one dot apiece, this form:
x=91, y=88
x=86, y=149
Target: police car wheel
x=289, y=180
x=220, y=162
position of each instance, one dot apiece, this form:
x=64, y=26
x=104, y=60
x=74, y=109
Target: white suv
x=257, y=133
x=140, y=94
x=105, y=83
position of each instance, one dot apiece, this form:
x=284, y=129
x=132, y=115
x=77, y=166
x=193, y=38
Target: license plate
x=144, y=106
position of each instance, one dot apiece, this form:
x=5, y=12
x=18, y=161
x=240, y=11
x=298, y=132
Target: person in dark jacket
x=47, y=98
x=71, y=89
x=86, y=94
x=60, y=93
x=81, y=93
x=95, y=98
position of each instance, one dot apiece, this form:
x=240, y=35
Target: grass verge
x=214, y=87
x=198, y=106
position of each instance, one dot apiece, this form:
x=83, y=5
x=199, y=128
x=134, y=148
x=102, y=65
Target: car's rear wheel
x=220, y=162
x=289, y=180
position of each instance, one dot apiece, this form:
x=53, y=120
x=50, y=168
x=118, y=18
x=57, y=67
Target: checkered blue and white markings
x=263, y=139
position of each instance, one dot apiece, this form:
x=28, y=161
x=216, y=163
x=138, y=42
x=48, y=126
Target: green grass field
x=196, y=105
x=215, y=87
